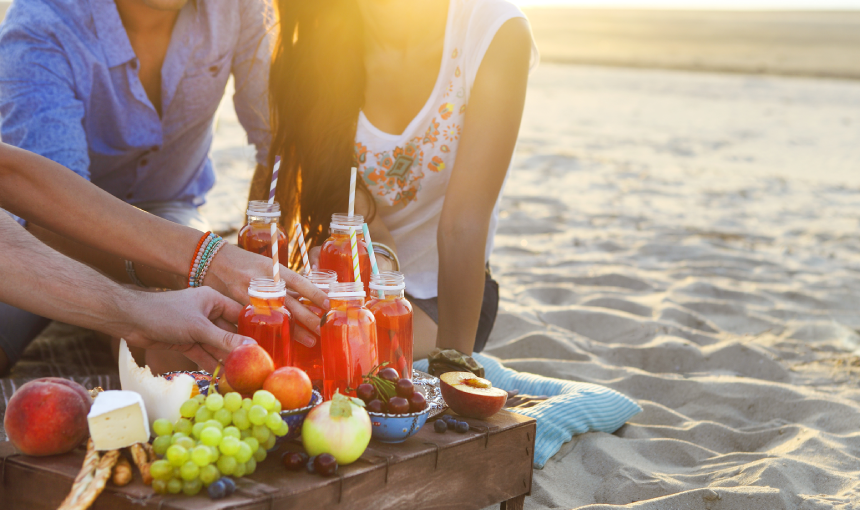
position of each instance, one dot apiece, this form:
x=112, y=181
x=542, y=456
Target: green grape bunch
x=215, y=436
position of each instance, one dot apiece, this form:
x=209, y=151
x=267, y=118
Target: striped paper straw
x=276, y=266
x=303, y=248
x=352, y=191
x=370, y=253
x=353, y=243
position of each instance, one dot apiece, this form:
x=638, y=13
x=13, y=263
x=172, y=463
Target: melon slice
x=161, y=397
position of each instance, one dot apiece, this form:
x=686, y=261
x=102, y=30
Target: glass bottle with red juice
x=256, y=236
x=267, y=320
x=336, y=252
x=393, y=314
x=309, y=357
x=348, y=338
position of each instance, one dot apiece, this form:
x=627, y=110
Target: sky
x=704, y=4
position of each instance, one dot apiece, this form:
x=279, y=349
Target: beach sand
x=691, y=240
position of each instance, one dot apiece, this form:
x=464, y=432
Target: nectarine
x=47, y=416
x=247, y=367
x=471, y=396
x=291, y=386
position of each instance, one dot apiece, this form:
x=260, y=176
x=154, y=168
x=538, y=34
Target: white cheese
x=118, y=419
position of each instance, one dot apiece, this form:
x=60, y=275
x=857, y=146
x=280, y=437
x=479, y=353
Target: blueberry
x=310, y=465
x=440, y=426
x=462, y=427
x=229, y=484
x=217, y=489
x=447, y=417
x=452, y=423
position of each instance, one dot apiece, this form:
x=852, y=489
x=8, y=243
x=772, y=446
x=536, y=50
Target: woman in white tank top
x=425, y=97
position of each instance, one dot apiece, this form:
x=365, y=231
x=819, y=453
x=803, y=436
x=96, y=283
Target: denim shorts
x=18, y=327
x=489, y=310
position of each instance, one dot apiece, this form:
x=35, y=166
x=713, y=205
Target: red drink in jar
x=348, y=338
x=309, y=357
x=256, y=236
x=267, y=321
x=393, y=314
x=336, y=252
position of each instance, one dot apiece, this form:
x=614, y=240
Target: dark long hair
x=316, y=90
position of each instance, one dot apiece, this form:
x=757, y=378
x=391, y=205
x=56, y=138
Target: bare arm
x=41, y=280
x=489, y=136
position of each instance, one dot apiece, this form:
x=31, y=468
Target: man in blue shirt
x=124, y=93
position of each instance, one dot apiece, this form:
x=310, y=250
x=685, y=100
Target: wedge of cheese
x=118, y=419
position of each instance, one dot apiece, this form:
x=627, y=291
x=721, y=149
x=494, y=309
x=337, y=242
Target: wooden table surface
x=490, y=464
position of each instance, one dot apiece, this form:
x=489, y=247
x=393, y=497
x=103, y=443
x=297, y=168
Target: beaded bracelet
x=198, y=254
x=208, y=262
x=205, y=257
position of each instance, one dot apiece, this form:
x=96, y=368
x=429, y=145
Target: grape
x=187, y=443
x=283, y=429
x=215, y=423
x=294, y=461
x=183, y=425
x=260, y=455
x=210, y=436
x=176, y=437
x=197, y=429
x=160, y=445
x=214, y=402
x=252, y=442
x=270, y=443
x=229, y=485
x=191, y=487
x=246, y=433
x=162, y=427
x=277, y=408
x=226, y=464
x=159, y=486
x=189, y=471
x=174, y=486
x=257, y=414
x=440, y=426
x=246, y=404
x=240, y=419
x=200, y=398
x=200, y=455
x=229, y=446
x=250, y=466
x=177, y=472
x=214, y=454
x=177, y=455
x=202, y=415
x=232, y=402
x=325, y=464
x=244, y=453
x=161, y=470
x=209, y=473
x=264, y=399
x=217, y=491
x=240, y=470
x=261, y=433
x=223, y=416
x=188, y=408
x=273, y=421
x=231, y=431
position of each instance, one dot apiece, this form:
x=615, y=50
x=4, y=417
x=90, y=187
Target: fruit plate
x=429, y=387
x=296, y=417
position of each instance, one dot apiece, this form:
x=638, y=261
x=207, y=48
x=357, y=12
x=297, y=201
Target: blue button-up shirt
x=69, y=90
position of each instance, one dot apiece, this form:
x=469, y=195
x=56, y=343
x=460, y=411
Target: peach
x=247, y=368
x=291, y=386
x=471, y=396
x=47, y=416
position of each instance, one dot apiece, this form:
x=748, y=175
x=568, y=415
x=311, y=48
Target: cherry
x=325, y=464
x=377, y=406
x=389, y=374
x=294, y=461
x=404, y=388
x=398, y=405
x=417, y=402
x=366, y=392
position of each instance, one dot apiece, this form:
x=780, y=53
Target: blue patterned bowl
x=296, y=417
x=395, y=428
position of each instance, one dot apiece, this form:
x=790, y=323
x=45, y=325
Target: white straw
x=352, y=191
x=274, y=230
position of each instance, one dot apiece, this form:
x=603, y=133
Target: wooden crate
x=490, y=464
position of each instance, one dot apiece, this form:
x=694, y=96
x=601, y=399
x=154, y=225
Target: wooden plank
x=490, y=464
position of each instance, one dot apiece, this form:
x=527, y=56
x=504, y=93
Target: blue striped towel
x=573, y=407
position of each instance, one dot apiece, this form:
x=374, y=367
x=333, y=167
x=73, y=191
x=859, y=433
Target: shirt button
x=143, y=162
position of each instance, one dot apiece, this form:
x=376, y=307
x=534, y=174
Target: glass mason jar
x=336, y=253
x=256, y=236
x=393, y=314
x=309, y=357
x=267, y=320
x=348, y=338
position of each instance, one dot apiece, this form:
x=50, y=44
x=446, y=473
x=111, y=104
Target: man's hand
x=196, y=322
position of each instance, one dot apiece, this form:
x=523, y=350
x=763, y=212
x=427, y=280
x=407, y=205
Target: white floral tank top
x=409, y=173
